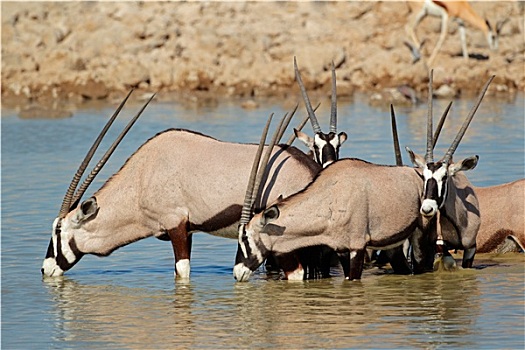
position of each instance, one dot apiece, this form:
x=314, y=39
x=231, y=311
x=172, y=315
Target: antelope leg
x=181, y=242
x=357, y=260
x=315, y=261
x=398, y=260
x=344, y=258
x=293, y=270
x=468, y=257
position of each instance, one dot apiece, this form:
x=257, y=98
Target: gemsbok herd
x=281, y=203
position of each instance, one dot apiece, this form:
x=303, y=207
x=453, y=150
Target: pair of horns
x=71, y=199
x=431, y=140
x=259, y=167
x=311, y=112
x=395, y=137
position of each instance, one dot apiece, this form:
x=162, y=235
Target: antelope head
x=437, y=175
x=493, y=33
x=63, y=252
x=250, y=255
x=325, y=147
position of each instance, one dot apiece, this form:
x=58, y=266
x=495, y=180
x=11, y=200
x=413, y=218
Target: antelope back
x=176, y=177
x=343, y=207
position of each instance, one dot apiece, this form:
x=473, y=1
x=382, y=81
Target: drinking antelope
x=462, y=12
x=447, y=191
x=344, y=208
x=176, y=183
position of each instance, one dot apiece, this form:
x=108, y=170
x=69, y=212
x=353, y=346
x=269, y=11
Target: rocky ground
x=202, y=51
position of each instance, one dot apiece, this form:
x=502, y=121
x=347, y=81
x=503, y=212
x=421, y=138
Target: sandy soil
x=201, y=51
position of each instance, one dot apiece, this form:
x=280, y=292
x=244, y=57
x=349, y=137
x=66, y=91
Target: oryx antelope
x=447, y=192
x=324, y=147
x=177, y=182
x=502, y=210
x=344, y=208
x=462, y=12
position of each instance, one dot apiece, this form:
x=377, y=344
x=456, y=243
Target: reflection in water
x=129, y=299
x=381, y=310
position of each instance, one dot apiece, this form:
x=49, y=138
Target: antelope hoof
x=182, y=269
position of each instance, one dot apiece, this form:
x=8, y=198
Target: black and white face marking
x=62, y=252
x=249, y=256
x=435, y=176
x=326, y=147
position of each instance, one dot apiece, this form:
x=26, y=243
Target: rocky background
x=202, y=51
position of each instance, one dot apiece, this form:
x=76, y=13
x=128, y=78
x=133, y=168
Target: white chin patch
x=297, y=275
x=241, y=272
x=429, y=207
x=182, y=268
x=51, y=269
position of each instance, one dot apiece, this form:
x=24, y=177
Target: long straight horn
x=264, y=162
x=311, y=114
x=287, y=120
x=66, y=203
x=89, y=179
x=333, y=109
x=300, y=127
x=429, y=155
x=397, y=150
x=246, y=212
x=461, y=133
x=440, y=125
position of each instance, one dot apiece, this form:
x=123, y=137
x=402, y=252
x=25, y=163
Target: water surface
x=130, y=300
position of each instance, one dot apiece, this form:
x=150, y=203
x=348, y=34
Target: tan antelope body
x=177, y=182
x=351, y=205
x=502, y=217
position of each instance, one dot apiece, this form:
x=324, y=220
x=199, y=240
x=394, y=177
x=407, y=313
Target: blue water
x=130, y=299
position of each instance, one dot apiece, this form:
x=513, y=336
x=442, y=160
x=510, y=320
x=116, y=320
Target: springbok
x=448, y=193
x=462, y=12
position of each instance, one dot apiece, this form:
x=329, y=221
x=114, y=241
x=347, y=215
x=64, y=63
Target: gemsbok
x=447, y=193
x=324, y=147
x=462, y=12
x=176, y=183
x=502, y=227
x=344, y=208
x=502, y=210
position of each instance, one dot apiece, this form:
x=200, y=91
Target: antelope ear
x=463, y=165
x=307, y=140
x=416, y=159
x=87, y=210
x=270, y=215
x=342, y=137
